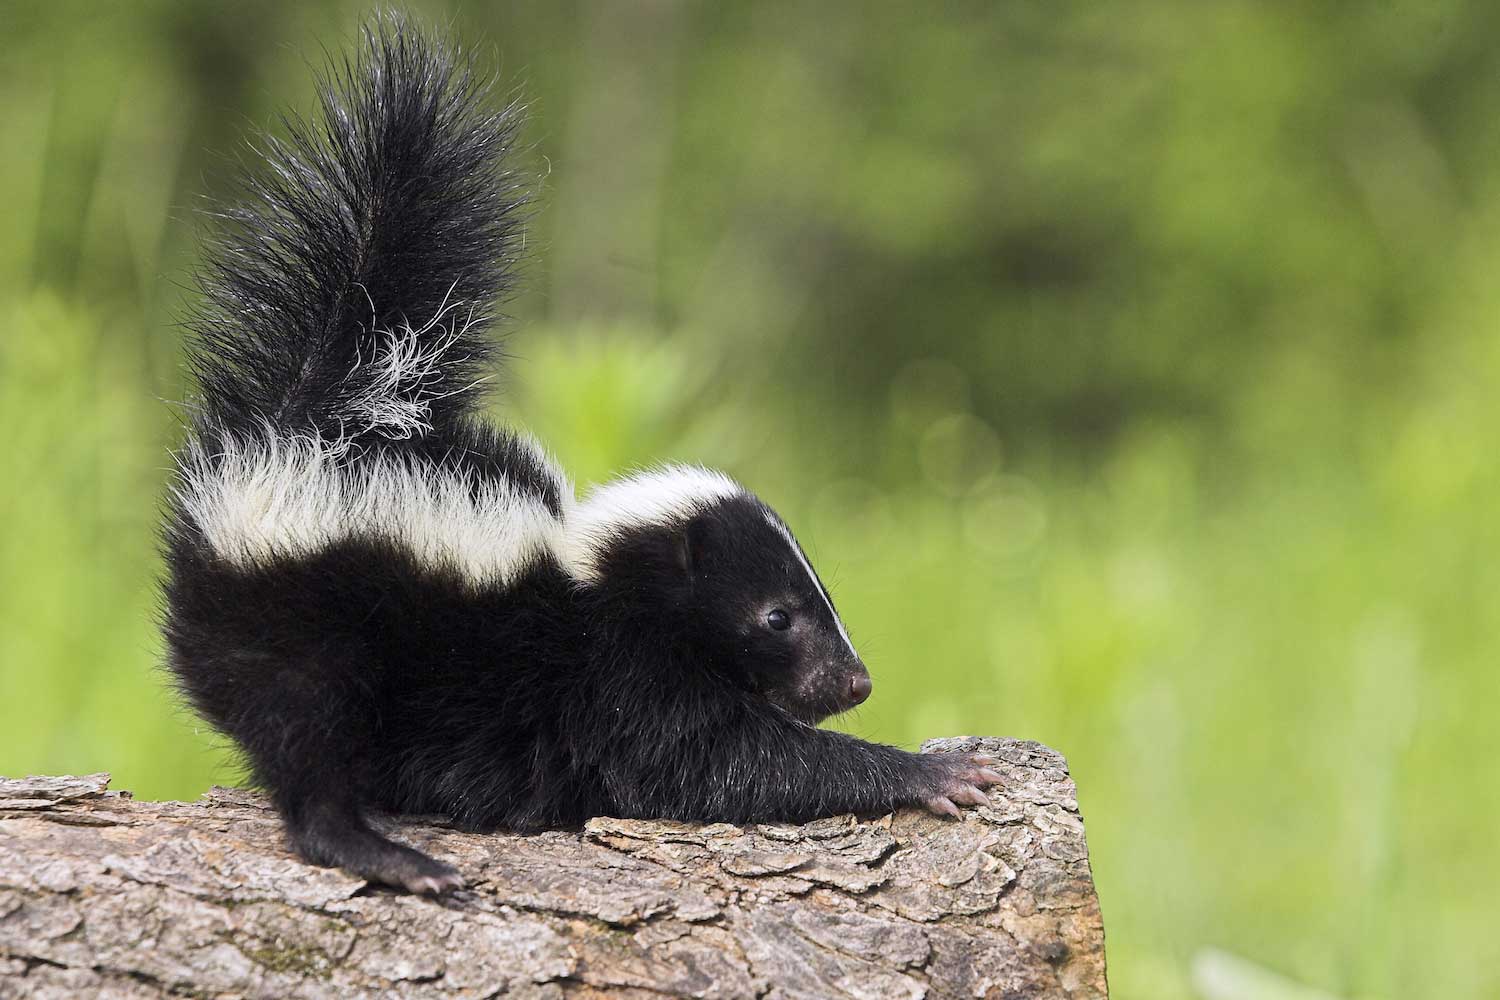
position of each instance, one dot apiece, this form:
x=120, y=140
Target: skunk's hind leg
x=334, y=834
x=305, y=725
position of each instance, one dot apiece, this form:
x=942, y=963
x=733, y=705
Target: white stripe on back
x=279, y=497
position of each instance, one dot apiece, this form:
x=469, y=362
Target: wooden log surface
x=104, y=895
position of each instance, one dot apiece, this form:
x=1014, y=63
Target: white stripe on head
x=277, y=497
x=662, y=496
x=791, y=542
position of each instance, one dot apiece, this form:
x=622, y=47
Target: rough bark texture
x=101, y=895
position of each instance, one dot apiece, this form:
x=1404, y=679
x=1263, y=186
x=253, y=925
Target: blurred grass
x=1130, y=372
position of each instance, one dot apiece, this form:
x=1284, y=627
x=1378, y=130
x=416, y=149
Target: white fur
x=791, y=542
x=393, y=389
x=665, y=495
x=273, y=497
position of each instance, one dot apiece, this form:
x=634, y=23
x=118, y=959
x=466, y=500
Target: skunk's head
x=703, y=564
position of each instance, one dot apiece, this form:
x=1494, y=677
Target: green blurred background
x=1130, y=371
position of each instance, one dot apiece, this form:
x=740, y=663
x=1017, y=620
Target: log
x=102, y=895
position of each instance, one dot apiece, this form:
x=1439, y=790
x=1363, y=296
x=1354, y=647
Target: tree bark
x=101, y=895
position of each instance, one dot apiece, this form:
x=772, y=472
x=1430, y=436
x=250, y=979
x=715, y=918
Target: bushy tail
x=350, y=290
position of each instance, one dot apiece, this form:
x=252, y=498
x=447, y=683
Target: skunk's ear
x=696, y=543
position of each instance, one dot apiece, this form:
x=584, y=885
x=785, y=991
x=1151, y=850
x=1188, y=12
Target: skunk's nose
x=859, y=687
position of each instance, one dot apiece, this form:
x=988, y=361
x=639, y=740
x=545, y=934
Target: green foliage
x=1128, y=369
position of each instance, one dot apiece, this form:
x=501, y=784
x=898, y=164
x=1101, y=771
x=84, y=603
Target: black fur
x=392, y=206
x=359, y=677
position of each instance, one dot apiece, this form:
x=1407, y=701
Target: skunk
x=390, y=605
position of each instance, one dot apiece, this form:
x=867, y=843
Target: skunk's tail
x=350, y=289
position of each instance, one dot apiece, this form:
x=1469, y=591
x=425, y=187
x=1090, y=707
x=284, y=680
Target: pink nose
x=859, y=688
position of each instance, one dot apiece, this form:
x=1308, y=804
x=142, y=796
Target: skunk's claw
x=941, y=805
x=433, y=883
x=970, y=796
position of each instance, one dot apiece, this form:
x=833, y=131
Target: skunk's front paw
x=955, y=779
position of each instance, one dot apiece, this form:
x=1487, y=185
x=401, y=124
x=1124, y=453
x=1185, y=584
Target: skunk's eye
x=779, y=620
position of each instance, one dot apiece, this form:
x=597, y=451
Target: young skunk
x=390, y=605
